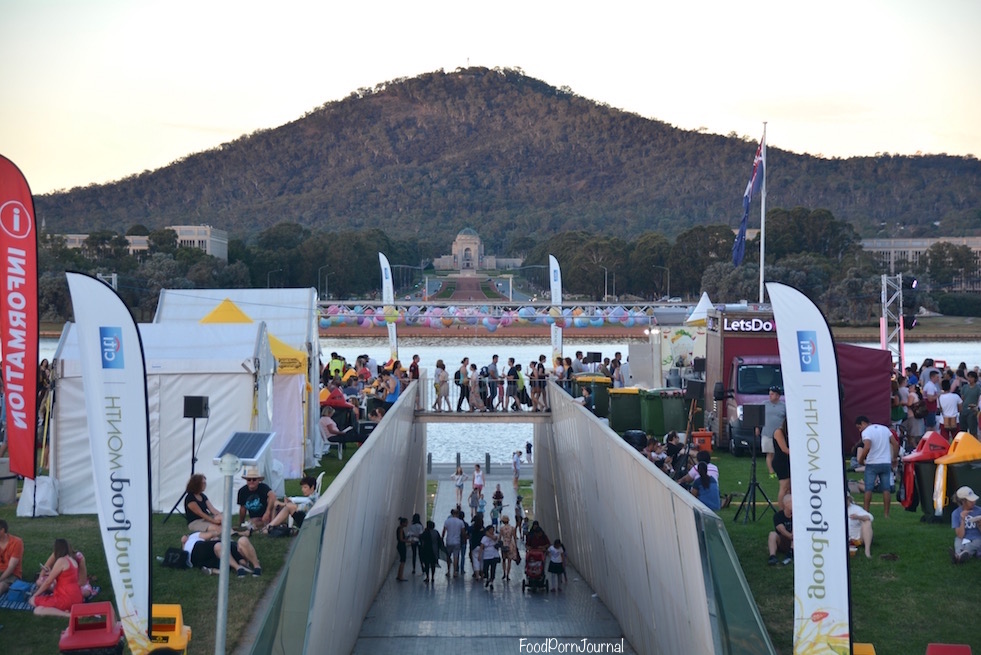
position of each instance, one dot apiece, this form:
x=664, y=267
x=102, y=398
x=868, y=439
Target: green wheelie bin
x=625, y=409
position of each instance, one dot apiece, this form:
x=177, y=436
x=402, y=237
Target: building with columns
x=468, y=255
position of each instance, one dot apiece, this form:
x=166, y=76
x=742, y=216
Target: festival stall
x=231, y=364
x=291, y=317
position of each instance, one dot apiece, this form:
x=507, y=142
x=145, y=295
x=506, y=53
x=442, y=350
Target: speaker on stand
x=754, y=416
x=195, y=407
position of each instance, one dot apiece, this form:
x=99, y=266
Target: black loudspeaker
x=698, y=365
x=196, y=407
x=754, y=416
x=719, y=392
x=694, y=389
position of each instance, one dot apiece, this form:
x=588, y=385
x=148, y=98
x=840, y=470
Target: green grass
x=898, y=606
x=194, y=591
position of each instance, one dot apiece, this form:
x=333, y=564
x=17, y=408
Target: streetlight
x=606, y=279
x=319, y=270
x=668, y=271
x=511, y=278
x=278, y=270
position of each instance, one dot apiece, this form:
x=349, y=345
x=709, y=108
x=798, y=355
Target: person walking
x=442, y=388
x=459, y=478
x=556, y=563
x=509, y=547
x=400, y=545
x=430, y=545
x=879, y=456
x=412, y=536
x=490, y=555
x=462, y=378
x=478, y=480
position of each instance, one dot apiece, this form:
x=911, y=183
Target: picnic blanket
x=6, y=604
x=14, y=605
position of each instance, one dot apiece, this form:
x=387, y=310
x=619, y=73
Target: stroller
x=535, y=575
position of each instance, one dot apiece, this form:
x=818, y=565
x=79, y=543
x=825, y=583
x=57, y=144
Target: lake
x=471, y=440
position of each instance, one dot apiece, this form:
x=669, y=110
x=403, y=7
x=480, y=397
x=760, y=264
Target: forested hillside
x=518, y=160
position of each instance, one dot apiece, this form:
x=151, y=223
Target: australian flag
x=755, y=182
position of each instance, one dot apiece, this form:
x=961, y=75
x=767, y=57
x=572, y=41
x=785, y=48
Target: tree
x=946, y=263
x=695, y=250
x=803, y=230
x=648, y=260
x=162, y=241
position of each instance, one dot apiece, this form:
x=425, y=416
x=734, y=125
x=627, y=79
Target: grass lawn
x=24, y=633
x=899, y=605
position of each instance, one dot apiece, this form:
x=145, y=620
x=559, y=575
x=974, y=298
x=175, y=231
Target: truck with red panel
x=742, y=360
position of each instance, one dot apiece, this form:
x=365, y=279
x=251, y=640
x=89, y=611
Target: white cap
x=966, y=493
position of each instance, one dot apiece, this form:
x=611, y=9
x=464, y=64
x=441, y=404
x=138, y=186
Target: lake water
x=471, y=440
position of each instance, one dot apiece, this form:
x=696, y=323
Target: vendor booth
x=230, y=364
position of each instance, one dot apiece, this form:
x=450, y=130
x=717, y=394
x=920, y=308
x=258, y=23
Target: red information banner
x=18, y=316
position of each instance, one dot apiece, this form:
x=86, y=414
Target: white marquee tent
x=291, y=316
x=231, y=364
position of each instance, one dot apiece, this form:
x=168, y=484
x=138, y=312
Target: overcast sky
x=95, y=90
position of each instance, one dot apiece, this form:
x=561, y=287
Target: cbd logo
x=111, y=343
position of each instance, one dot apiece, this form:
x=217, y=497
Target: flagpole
x=763, y=215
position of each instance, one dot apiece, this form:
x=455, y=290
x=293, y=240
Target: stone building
x=468, y=255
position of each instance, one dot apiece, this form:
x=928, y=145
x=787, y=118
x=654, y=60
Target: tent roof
x=291, y=314
x=226, y=312
x=292, y=361
x=699, y=315
x=186, y=347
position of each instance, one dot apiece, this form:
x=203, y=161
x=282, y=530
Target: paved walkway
x=413, y=617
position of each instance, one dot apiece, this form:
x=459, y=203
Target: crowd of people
x=491, y=387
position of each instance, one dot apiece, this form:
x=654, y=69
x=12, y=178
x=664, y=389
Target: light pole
x=319, y=278
x=278, y=270
x=522, y=268
x=606, y=279
x=668, y=271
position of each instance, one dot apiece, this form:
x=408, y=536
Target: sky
x=94, y=91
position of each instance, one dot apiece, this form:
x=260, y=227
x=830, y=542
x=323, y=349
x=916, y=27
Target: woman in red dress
x=64, y=578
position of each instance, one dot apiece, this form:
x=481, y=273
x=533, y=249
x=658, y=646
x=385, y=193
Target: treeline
x=808, y=249
x=521, y=160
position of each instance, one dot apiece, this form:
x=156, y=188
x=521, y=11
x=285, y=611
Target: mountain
x=514, y=158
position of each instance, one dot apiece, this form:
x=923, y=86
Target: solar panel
x=247, y=446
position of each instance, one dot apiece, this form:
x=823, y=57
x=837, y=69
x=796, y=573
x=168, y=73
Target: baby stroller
x=535, y=575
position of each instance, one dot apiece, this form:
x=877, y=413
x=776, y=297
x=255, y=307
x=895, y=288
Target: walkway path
x=413, y=617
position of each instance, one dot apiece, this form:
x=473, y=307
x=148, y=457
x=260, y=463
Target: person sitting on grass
x=859, y=526
x=298, y=510
x=707, y=488
x=83, y=574
x=203, y=551
x=964, y=520
x=198, y=510
x=60, y=589
x=11, y=557
x=781, y=540
x=256, y=498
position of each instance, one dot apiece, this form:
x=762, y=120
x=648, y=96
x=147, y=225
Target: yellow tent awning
x=226, y=312
x=289, y=360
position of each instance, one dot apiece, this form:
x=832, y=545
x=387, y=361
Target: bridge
x=652, y=569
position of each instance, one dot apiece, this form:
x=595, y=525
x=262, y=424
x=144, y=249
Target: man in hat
x=775, y=411
x=256, y=498
x=964, y=520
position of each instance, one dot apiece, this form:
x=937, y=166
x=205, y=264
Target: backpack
x=174, y=558
x=457, y=377
x=484, y=373
x=919, y=409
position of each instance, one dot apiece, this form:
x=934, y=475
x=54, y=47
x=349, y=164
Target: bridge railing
x=346, y=545
x=660, y=560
